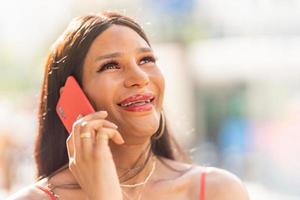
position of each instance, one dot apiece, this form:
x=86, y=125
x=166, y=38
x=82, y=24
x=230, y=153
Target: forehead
x=117, y=38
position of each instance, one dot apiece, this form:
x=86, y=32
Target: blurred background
x=232, y=71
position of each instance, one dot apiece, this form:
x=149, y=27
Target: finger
x=89, y=128
x=75, y=137
x=117, y=138
x=87, y=139
x=70, y=142
x=77, y=121
x=104, y=134
x=96, y=124
x=96, y=115
x=70, y=147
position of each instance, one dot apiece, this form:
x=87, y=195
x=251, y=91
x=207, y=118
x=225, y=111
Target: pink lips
x=128, y=105
x=137, y=97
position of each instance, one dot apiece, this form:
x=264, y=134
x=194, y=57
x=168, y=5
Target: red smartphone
x=71, y=103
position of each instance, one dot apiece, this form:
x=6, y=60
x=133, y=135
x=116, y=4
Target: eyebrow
x=118, y=54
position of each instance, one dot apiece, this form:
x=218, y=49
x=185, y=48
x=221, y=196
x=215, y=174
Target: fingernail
x=122, y=141
x=115, y=126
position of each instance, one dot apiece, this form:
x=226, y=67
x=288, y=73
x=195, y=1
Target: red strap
x=202, y=186
x=49, y=193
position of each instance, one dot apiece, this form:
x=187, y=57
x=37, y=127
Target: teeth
x=138, y=103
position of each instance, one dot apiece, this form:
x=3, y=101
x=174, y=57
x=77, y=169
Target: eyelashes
x=114, y=64
x=149, y=59
x=108, y=65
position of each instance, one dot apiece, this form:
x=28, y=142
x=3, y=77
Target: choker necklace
x=146, y=179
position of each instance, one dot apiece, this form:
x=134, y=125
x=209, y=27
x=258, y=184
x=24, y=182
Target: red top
x=202, y=189
x=202, y=186
x=48, y=192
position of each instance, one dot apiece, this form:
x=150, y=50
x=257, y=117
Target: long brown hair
x=66, y=58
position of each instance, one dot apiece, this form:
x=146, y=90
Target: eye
x=108, y=65
x=147, y=59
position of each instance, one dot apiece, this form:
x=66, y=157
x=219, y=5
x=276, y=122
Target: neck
x=125, y=157
x=128, y=156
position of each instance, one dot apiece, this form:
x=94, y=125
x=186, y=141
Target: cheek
x=162, y=83
x=159, y=81
x=160, y=77
x=101, y=93
x=161, y=90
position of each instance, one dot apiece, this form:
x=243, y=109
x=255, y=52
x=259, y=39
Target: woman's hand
x=90, y=158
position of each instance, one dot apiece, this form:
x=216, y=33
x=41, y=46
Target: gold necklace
x=143, y=184
x=139, y=196
x=146, y=179
x=136, y=168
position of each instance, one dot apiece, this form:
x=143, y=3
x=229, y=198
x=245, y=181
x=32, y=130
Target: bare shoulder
x=187, y=178
x=28, y=193
x=178, y=169
x=221, y=184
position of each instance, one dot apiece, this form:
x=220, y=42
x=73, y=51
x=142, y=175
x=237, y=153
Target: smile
x=138, y=106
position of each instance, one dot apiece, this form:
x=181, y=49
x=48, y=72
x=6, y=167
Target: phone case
x=72, y=102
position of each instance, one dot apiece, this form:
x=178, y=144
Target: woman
x=124, y=150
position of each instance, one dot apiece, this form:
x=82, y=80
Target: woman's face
x=121, y=65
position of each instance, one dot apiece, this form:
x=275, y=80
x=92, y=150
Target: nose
x=136, y=76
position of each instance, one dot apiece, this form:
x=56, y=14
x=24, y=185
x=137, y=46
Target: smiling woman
x=124, y=150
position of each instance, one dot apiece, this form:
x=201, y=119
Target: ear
x=60, y=90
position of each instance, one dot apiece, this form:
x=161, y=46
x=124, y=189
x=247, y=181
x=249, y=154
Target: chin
x=141, y=129
x=147, y=130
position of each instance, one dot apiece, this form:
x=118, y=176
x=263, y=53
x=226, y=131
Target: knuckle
x=75, y=126
x=108, y=123
x=77, y=160
x=76, y=122
x=67, y=142
x=68, y=145
x=103, y=131
x=113, y=132
x=71, y=162
x=68, y=139
x=72, y=166
x=91, y=125
x=100, y=130
x=83, y=124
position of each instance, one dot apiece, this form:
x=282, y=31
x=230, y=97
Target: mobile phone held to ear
x=71, y=103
